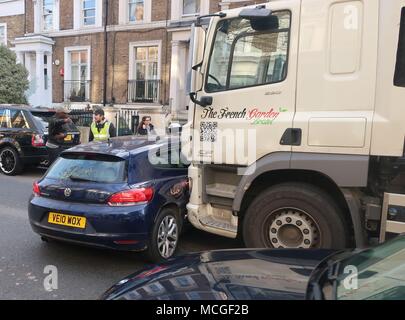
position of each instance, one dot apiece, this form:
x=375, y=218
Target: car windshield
x=374, y=274
x=91, y=168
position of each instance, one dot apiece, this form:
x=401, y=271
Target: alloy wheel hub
x=293, y=229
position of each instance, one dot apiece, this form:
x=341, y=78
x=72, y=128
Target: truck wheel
x=10, y=162
x=294, y=215
x=163, y=241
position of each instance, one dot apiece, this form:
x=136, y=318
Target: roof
x=121, y=147
x=24, y=107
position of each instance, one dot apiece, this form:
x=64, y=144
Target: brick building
x=63, y=44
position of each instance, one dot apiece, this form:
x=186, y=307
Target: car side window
x=5, y=119
x=18, y=120
x=168, y=159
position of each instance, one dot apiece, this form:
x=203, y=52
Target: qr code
x=208, y=131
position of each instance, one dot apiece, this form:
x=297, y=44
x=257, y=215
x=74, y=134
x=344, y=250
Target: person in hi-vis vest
x=101, y=129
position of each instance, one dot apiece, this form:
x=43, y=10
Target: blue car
x=126, y=194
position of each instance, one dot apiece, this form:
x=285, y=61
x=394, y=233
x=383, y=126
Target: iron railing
x=146, y=91
x=77, y=90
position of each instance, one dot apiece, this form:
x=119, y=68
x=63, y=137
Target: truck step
x=221, y=190
x=214, y=223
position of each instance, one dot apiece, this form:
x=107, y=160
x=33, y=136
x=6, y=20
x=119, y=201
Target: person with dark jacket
x=146, y=127
x=101, y=129
x=57, y=133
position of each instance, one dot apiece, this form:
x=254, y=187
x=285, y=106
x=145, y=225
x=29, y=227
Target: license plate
x=68, y=138
x=67, y=220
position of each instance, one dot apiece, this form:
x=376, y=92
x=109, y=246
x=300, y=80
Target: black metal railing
x=147, y=91
x=77, y=90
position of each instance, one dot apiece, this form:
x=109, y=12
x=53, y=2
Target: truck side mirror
x=204, y=102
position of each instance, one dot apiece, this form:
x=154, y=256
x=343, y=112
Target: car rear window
x=89, y=168
x=41, y=123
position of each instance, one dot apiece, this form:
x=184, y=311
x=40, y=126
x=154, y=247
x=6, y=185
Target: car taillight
x=37, y=140
x=36, y=189
x=131, y=197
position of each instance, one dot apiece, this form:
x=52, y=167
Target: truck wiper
x=75, y=178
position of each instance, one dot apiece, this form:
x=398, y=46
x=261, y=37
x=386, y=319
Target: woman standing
x=146, y=127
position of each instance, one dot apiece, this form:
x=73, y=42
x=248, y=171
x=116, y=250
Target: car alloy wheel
x=8, y=161
x=167, y=236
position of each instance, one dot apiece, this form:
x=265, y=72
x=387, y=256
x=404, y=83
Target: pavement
x=83, y=273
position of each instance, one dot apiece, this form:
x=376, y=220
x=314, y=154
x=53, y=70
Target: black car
x=23, y=135
x=273, y=274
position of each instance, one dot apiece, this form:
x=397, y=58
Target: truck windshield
x=242, y=56
x=376, y=274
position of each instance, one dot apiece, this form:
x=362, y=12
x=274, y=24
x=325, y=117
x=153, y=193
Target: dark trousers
x=54, y=153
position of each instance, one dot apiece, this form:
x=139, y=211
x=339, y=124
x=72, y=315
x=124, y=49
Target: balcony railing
x=77, y=90
x=147, y=91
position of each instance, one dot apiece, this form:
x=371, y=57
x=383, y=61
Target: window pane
x=257, y=57
x=75, y=57
x=141, y=71
x=83, y=56
x=48, y=22
x=152, y=71
x=3, y=118
x=153, y=53
x=136, y=10
x=89, y=13
x=17, y=119
x=83, y=72
x=191, y=6
x=88, y=4
x=141, y=53
x=89, y=21
x=75, y=73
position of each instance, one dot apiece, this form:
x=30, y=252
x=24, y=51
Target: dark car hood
x=221, y=275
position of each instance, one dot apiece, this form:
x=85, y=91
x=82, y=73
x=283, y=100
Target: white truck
x=297, y=123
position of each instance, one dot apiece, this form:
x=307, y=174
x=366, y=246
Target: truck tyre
x=164, y=238
x=10, y=162
x=294, y=215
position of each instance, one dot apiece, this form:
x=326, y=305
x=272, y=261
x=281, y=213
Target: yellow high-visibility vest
x=104, y=133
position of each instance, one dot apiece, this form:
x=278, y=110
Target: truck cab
x=295, y=130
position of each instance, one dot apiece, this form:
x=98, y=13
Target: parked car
x=23, y=135
x=274, y=274
x=118, y=194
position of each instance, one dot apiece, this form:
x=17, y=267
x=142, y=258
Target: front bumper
x=105, y=225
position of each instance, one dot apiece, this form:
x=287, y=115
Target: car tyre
x=164, y=238
x=10, y=162
x=294, y=215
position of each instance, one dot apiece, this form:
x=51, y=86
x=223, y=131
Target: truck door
x=336, y=81
x=250, y=74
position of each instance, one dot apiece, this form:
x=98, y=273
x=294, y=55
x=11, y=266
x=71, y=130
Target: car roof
x=122, y=147
x=24, y=107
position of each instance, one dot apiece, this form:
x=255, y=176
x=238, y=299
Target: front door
x=251, y=76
